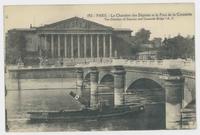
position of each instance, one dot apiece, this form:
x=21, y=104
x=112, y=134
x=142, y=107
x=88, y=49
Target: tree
x=177, y=47
x=15, y=47
x=141, y=37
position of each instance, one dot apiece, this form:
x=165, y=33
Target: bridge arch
x=151, y=94
x=106, y=88
x=106, y=77
x=86, y=74
x=148, y=89
x=144, y=82
x=130, y=81
x=87, y=77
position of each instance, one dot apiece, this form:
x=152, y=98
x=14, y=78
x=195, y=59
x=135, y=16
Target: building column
x=119, y=75
x=173, y=102
x=79, y=77
x=91, y=46
x=65, y=44
x=104, y=46
x=52, y=46
x=85, y=47
x=97, y=46
x=110, y=46
x=40, y=46
x=78, y=38
x=93, y=88
x=72, y=48
x=58, y=45
x=45, y=42
x=45, y=45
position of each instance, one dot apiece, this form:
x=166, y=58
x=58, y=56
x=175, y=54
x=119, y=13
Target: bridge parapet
x=164, y=64
x=100, y=62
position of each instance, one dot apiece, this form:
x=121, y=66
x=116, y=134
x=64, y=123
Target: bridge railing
x=89, y=62
x=168, y=63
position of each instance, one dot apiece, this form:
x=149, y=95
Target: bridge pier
x=173, y=98
x=119, y=76
x=93, y=88
x=79, y=81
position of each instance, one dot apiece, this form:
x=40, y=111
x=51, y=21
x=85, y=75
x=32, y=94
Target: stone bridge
x=177, y=84
x=172, y=81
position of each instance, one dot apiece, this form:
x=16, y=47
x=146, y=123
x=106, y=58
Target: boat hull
x=85, y=114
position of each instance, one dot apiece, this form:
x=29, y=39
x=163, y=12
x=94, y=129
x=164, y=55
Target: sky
x=38, y=15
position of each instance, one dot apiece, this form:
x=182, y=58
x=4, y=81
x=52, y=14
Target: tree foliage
x=172, y=48
x=141, y=37
x=177, y=47
x=15, y=47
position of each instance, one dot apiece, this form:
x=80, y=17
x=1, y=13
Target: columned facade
x=74, y=40
x=70, y=44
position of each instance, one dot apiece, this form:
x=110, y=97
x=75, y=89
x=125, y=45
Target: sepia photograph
x=99, y=67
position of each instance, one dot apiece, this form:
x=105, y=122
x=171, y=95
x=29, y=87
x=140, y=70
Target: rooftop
x=122, y=29
x=23, y=29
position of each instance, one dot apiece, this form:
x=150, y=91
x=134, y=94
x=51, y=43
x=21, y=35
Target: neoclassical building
x=76, y=38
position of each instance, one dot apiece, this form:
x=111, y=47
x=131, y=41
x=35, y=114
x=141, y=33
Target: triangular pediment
x=75, y=23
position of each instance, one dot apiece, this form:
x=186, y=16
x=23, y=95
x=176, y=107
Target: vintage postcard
x=102, y=67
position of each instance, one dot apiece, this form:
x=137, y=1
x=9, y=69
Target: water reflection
x=19, y=103
x=17, y=117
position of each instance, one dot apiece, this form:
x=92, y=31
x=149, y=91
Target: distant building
x=147, y=46
x=147, y=55
x=157, y=42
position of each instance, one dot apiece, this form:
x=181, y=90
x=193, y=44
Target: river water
x=19, y=102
